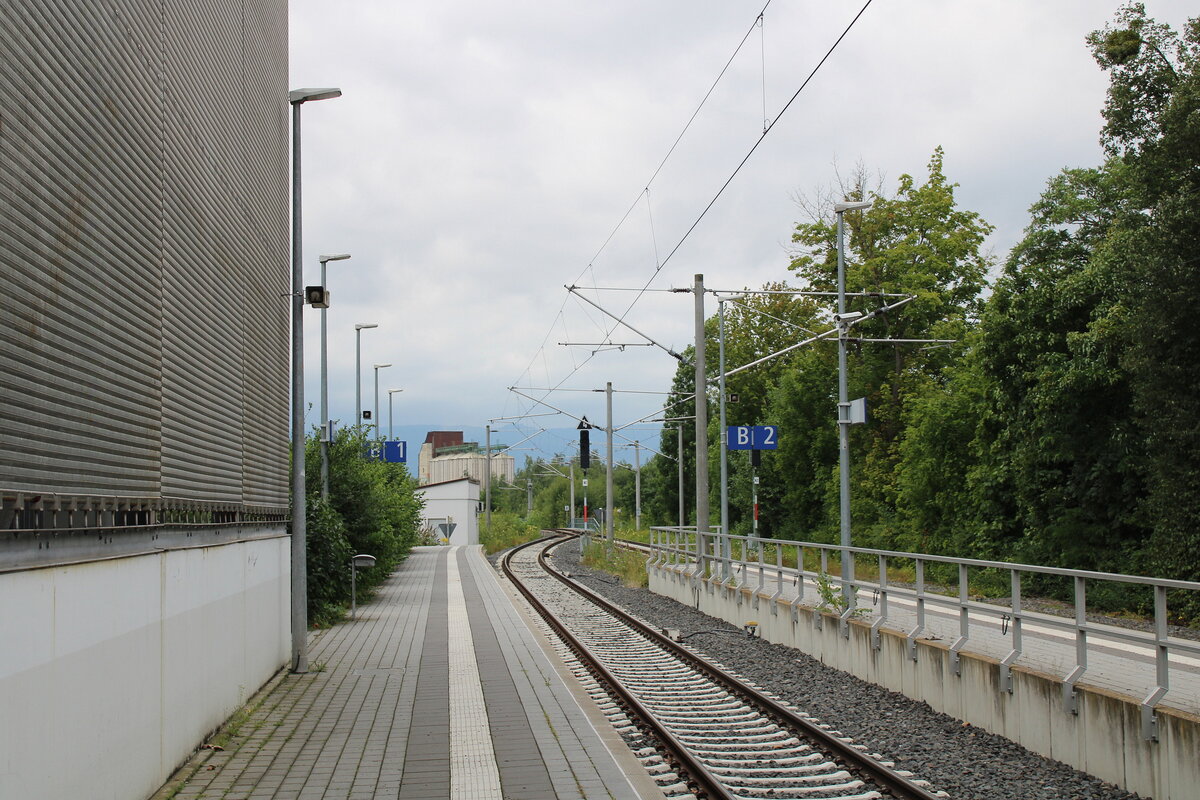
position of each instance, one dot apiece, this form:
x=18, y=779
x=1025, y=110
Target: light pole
x=843, y=326
x=299, y=561
x=325, y=381
x=637, y=486
x=391, y=432
x=358, y=329
x=375, y=413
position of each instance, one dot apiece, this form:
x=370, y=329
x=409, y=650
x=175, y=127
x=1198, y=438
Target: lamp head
x=297, y=96
x=358, y=326
x=335, y=257
x=381, y=366
x=839, y=208
x=394, y=391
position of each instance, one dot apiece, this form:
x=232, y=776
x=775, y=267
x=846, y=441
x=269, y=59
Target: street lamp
x=358, y=329
x=391, y=431
x=297, y=98
x=375, y=413
x=843, y=326
x=325, y=381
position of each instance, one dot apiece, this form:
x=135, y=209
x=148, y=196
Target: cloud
x=482, y=153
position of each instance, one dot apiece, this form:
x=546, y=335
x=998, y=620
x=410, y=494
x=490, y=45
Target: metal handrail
x=713, y=557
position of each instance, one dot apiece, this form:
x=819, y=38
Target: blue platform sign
x=395, y=452
x=752, y=437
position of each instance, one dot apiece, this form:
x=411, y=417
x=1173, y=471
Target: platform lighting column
x=840, y=210
x=299, y=561
x=637, y=485
x=358, y=329
x=375, y=413
x=391, y=430
x=325, y=379
x=487, y=476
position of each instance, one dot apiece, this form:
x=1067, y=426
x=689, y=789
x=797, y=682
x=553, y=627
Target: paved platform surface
x=439, y=689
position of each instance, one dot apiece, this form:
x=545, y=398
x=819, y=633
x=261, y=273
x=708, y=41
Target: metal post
x=608, y=476
x=701, y=413
x=391, y=429
x=843, y=420
x=375, y=408
x=637, y=485
x=724, y=429
x=528, y=497
x=324, y=395
x=487, y=476
x=682, y=512
x=571, y=468
x=357, y=376
x=353, y=588
x=299, y=552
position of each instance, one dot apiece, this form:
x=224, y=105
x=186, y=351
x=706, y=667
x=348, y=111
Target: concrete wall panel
x=121, y=667
x=1104, y=738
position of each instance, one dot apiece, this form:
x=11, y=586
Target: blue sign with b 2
x=753, y=437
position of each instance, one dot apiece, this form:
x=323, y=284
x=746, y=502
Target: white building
x=452, y=507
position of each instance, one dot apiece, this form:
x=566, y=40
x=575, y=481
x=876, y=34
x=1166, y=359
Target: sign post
x=754, y=438
x=357, y=562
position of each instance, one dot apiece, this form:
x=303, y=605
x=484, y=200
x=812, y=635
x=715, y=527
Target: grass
x=507, y=530
x=630, y=567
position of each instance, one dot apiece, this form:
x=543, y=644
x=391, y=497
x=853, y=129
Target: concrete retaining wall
x=1103, y=739
x=112, y=672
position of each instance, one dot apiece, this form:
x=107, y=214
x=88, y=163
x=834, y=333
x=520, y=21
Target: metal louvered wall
x=144, y=251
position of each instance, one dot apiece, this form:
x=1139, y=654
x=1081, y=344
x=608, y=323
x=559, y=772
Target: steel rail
x=691, y=771
x=900, y=787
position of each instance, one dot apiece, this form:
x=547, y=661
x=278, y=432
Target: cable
x=782, y=111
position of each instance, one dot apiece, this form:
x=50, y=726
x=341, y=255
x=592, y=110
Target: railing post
x=963, y=621
x=920, y=628
x=1069, y=695
x=1162, y=670
x=1006, y=679
x=876, y=639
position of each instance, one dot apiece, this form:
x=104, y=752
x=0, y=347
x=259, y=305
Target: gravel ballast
x=966, y=762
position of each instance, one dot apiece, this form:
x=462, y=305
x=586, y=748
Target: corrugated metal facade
x=144, y=249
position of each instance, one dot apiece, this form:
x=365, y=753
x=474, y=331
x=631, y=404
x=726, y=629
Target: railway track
x=713, y=735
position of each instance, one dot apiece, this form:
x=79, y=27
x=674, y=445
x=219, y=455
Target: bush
x=328, y=552
x=507, y=530
x=372, y=508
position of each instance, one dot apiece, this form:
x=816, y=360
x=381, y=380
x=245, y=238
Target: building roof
x=452, y=480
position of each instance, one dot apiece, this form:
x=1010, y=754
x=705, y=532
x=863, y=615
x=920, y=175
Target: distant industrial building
x=446, y=457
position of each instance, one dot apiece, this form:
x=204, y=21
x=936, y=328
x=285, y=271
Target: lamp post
x=325, y=381
x=358, y=329
x=840, y=210
x=299, y=562
x=391, y=432
x=375, y=413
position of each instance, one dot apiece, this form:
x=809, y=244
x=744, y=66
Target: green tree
x=1153, y=141
x=917, y=243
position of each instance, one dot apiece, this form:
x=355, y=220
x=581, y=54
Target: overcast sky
x=482, y=154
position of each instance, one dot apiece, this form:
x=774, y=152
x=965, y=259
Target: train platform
x=440, y=688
